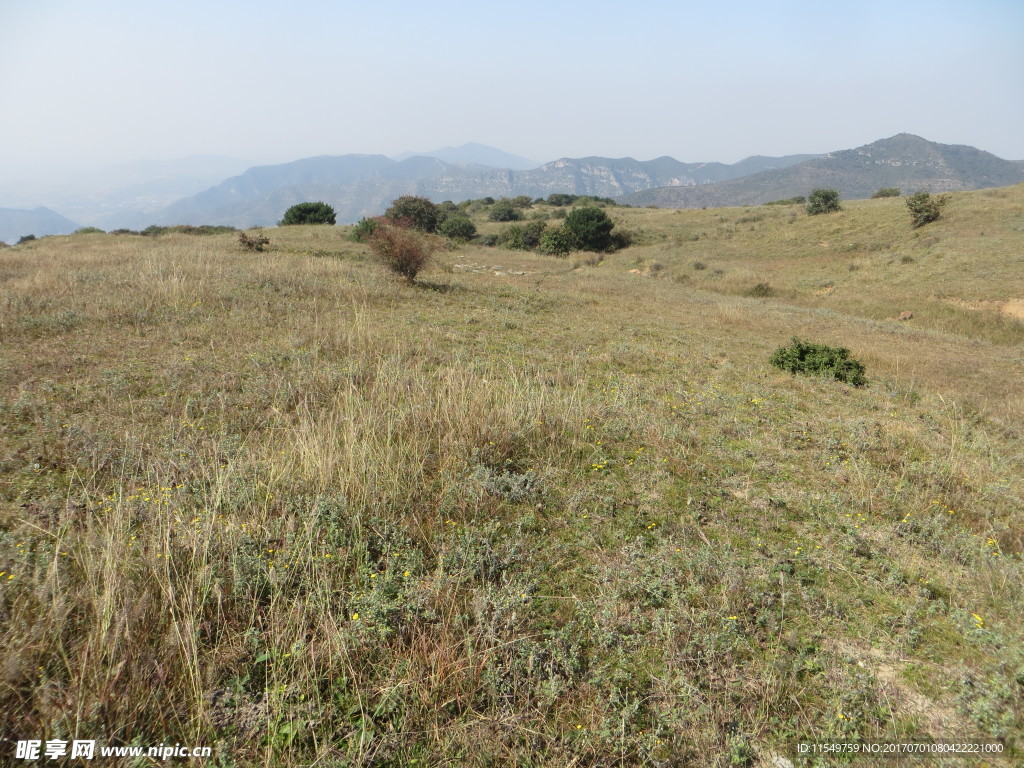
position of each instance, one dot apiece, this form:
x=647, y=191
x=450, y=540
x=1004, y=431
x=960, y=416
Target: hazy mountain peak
x=475, y=154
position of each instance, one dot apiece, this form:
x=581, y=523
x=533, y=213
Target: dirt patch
x=1010, y=307
x=1014, y=308
x=939, y=717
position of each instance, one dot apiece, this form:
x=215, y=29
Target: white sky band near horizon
x=108, y=81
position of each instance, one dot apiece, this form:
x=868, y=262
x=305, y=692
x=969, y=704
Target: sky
x=86, y=84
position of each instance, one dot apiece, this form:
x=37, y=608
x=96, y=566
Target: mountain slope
x=15, y=223
x=363, y=185
x=907, y=162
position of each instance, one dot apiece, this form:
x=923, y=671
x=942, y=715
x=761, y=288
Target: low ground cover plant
x=925, y=208
x=819, y=360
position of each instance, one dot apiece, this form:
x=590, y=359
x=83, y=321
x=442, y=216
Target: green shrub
x=25, y=239
x=823, y=201
x=308, y=213
x=418, y=212
x=886, y=192
x=511, y=238
x=88, y=231
x=503, y=210
x=532, y=233
x=821, y=360
x=621, y=238
x=760, y=291
x=561, y=199
x=557, y=241
x=458, y=227
x=591, y=228
x=362, y=231
x=925, y=208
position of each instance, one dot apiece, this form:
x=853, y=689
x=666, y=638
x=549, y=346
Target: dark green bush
x=886, y=192
x=89, y=231
x=362, y=231
x=458, y=227
x=26, y=239
x=511, y=238
x=591, y=228
x=557, y=241
x=823, y=201
x=925, y=208
x=820, y=360
x=561, y=199
x=308, y=213
x=418, y=212
x=504, y=210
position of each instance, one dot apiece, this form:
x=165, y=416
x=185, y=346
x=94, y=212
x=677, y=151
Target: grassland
x=530, y=511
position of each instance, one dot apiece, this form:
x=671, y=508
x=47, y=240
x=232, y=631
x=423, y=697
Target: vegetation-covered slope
x=524, y=512
x=904, y=161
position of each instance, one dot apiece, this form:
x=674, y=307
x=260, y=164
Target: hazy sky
x=104, y=81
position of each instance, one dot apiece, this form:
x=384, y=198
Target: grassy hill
x=530, y=511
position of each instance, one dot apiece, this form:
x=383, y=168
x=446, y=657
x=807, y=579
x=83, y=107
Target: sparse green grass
x=286, y=506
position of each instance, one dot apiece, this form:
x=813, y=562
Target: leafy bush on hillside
x=925, y=208
x=308, y=213
x=88, y=231
x=523, y=237
x=561, y=199
x=823, y=201
x=25, y=239
x=401, y=247
x=886, y=192
x=417, y=211
x=503, y=210
x=557, y=241
x=821, y=360
x=591, y=228
x=362, y=231
x=458, y=227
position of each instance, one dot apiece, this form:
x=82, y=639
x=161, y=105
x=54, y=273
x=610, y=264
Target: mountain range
x=363, y=185
x=906, y=162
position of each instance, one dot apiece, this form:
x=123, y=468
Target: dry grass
x=291, y=508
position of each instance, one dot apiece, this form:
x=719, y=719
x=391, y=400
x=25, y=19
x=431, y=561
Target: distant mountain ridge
x=475, y=154
x=906, y=162
x=16, y=223
x=363, y=185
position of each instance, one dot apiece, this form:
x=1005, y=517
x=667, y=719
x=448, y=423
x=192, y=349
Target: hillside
x=906, y=162
x=363, y=185
x=16, y=223
x=528, y=511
